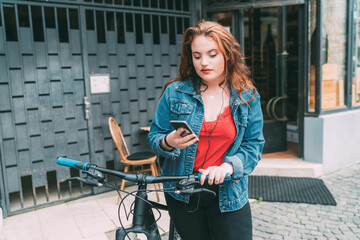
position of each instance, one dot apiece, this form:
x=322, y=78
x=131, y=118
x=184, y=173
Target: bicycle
x=144, y=221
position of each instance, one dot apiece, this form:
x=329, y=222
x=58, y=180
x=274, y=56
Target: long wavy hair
x=236, y=72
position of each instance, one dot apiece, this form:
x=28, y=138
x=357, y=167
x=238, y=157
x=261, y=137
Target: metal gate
x=48, y=53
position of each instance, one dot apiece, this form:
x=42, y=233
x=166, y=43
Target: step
x=288, y=167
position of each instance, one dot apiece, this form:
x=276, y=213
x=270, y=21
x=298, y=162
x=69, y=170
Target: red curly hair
x=236, y=71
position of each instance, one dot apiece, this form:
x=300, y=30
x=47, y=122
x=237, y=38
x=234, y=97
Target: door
x=269, y=37
x=42, y=92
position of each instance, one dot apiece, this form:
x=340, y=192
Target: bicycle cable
x=127, y=215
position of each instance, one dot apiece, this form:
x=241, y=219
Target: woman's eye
x=196, y=57
x=213, y=55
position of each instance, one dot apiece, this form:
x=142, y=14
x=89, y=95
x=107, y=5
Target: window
x=334, y=21
x=138, y=29
x=100, y=27
x=74, y=18
x=38, y=29
x=356, y=56
x=62, y=25
x=23, y=14
x=110, y=24
x=147, y=23
x=129, y=22
x=10, y=24
x=156, y=31
x=170, y=4
x=333, y=55
x=90, y=25
x=164, y=24
x=179, y=25
x=120, y=27
x=49, y=17
x=172, y=37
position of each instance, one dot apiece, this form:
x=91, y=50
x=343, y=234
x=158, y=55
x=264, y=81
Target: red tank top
x=222, y=133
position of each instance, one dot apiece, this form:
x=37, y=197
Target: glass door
x=265, y=53
x=270, y=41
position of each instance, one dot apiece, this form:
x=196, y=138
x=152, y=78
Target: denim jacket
x=181, y=102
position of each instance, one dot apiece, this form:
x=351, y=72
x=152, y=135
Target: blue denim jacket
x=181, y=102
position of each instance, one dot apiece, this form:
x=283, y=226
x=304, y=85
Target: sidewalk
x=89, y=218
x=95, y=217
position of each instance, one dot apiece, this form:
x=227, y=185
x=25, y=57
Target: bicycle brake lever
x=187, y=183
x=94, y=174
x=205, y=190
x=89, y=181
x=192, y=190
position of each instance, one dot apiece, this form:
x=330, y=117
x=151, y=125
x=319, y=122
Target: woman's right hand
x=175, y=140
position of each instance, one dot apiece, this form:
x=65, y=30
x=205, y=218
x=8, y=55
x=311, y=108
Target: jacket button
x=223, y=207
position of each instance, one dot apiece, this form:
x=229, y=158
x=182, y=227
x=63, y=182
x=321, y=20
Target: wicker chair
x=139, y=158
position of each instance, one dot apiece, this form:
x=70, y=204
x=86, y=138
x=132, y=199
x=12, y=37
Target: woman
x=215, y=96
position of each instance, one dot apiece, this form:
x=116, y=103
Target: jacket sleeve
x=160, y=126
x=249, y=153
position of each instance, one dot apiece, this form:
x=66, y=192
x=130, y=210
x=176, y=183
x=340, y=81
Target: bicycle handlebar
x=73, y=163
x=80, y=165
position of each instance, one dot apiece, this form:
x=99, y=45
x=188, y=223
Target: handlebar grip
x=226, y=179
x=73, y=163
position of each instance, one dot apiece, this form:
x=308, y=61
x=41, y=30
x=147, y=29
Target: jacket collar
x=188, y=88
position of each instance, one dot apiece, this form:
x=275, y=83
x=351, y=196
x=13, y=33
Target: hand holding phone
x=178, y=139
x=182, y=124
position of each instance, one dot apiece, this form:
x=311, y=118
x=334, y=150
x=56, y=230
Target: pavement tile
x=57, y=211
x=93, y=223
x=22, y=226
x=23, y=219
x=28, y=232
x=56, y=229
x=101, y=236
x=78, y=207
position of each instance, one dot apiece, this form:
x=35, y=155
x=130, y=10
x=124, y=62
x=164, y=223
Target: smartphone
x=182, y=124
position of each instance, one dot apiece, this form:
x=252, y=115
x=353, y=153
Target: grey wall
x=333, y=140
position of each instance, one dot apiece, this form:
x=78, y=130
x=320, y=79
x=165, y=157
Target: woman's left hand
x=216, y=174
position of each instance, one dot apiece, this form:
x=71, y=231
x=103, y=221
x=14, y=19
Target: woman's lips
x=206, y=70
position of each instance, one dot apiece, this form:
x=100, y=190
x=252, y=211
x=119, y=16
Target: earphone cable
x=217, y=120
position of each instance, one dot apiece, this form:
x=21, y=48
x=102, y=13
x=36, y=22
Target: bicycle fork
x=143, y=218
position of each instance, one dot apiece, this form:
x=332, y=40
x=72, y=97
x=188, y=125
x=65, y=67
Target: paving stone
x=306, y=221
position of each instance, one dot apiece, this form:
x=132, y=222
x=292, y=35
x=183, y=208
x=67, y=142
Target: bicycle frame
x=143, y=218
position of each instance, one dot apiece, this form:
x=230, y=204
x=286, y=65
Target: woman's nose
x=204, y=61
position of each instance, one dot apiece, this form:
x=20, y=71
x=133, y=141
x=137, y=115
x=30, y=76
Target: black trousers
x=202, y=219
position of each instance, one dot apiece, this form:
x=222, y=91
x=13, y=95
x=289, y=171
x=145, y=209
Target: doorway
x=269, y=37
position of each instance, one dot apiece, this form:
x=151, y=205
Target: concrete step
x=288, y=167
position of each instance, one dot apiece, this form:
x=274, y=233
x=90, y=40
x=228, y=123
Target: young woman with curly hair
x=214, y=94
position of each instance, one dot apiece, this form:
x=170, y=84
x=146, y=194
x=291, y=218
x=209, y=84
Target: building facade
x=67, y=65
